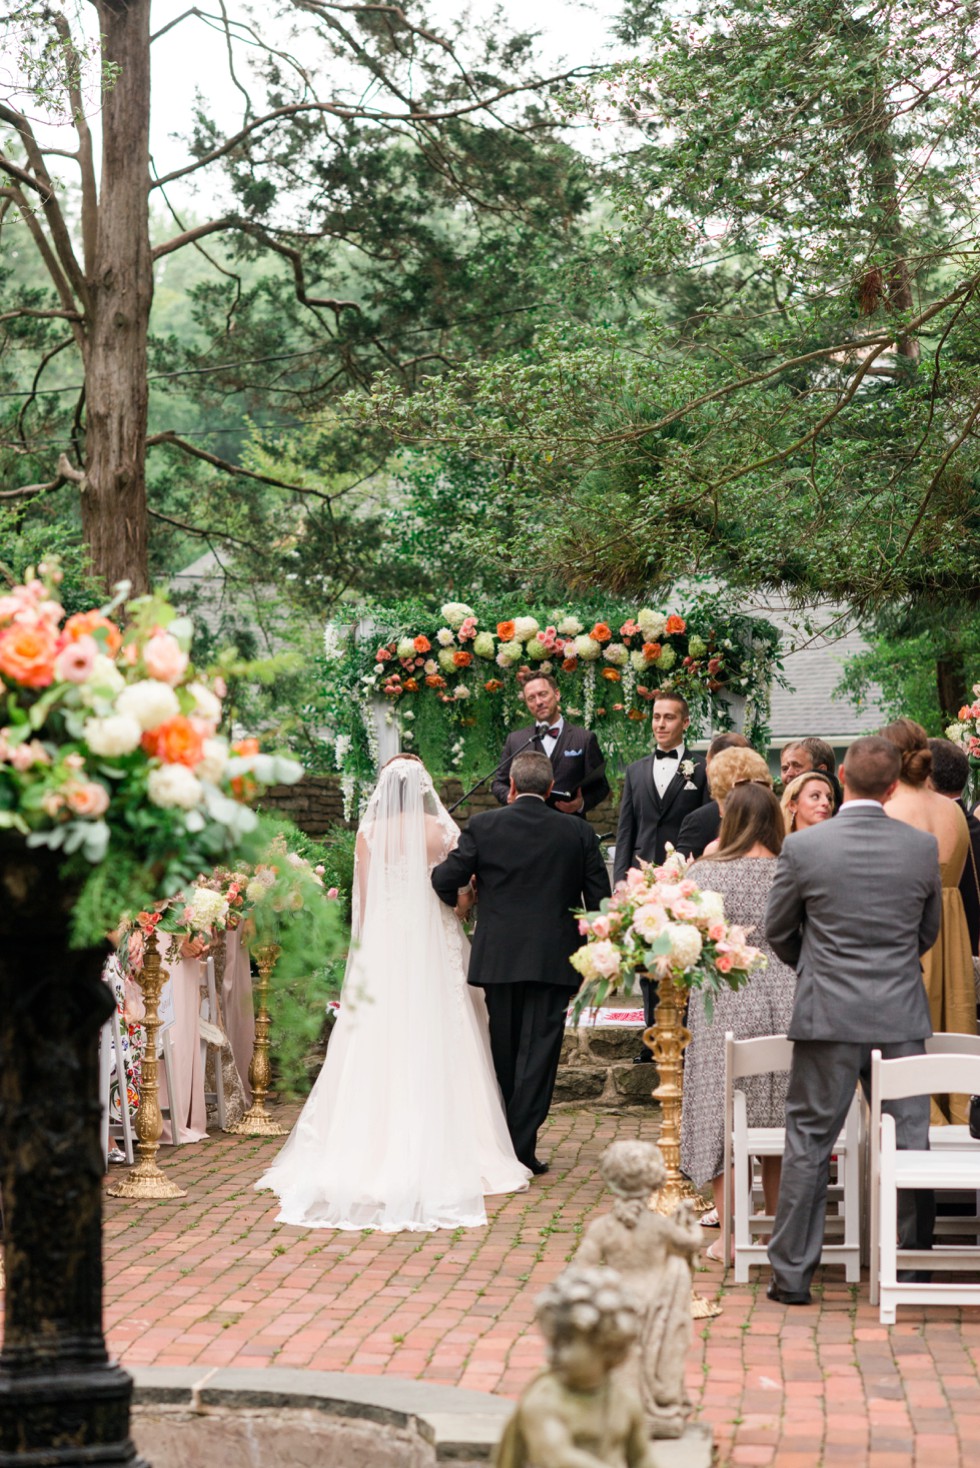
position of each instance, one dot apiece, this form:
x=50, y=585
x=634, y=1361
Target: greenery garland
x=451, y=678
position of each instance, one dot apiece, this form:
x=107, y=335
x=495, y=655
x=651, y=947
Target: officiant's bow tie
x=666, y=754
x=544, y=731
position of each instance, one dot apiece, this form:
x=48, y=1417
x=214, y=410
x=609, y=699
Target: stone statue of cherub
x=580, y=1412
x=653, y=1255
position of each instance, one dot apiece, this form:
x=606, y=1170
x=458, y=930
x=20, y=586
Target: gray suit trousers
x=821, y=1086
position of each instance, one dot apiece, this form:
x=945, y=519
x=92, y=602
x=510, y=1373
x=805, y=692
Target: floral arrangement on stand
x=660, y=923
x=110, y=751
x=966, y=730
x=452, y=681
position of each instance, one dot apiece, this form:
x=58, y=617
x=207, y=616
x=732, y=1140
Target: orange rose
x=411, y=685
x=636, y=715
x=569, y=665
x=505, y=631
x=176, y=742
x=675, y=624
x=493, y=685
x=245, y=747
x=600, y=632
x=422, y=644
x=27, y=653
x=84, y=624
x=611, y=674
x=965, y=713
x=434, y=681
x=651, y=651
x=462, y=659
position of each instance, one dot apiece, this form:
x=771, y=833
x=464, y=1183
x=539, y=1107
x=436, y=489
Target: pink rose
x=333, y=892
x=716, y=932
x=74, y=761
x=382, y=655
x=87, y=798
x=163, y=658
x=51, y=803
x=724, y=963
x=601, y=926
x=23, y=756
x=584, y=928
x=75, y=662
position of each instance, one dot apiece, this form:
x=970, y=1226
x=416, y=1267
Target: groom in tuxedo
x=532, y=867
x=575, y=756
x=658, y=792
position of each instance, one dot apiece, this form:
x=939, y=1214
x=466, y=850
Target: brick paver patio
x=213, y=1279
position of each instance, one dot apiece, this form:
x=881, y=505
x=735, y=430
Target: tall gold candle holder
x=257, y=1122
x=147, y=1180
x=668, y=1037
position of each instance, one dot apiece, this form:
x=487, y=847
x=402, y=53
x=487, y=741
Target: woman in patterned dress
x=742, y=871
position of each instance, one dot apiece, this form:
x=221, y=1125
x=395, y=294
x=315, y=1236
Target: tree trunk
x=951, y=685
x=114, y=492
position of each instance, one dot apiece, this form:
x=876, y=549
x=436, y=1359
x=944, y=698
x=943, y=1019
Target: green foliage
x=921, y=662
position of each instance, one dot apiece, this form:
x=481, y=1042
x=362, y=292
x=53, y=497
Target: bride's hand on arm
x=465, y=901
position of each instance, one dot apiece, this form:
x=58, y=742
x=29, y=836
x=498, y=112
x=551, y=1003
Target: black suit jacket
x=698, y=828
x=968, y=881
x=647, y=821
x=532, y=867
x=575, y=755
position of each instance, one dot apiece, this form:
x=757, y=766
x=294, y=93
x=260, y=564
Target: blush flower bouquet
x=110, y=752
x=659, y=922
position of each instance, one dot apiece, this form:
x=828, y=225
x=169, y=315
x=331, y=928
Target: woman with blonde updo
x=807, y=800
x=947, y=968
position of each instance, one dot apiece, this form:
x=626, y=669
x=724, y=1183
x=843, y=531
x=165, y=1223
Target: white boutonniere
x=687, y=768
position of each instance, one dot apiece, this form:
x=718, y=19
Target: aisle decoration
x=659, y=924
x=451, y=679
x=966, y=730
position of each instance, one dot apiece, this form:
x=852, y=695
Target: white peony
x=172, y=785
x=461, y=691
x=587, y=648
x=616, y=654
x=446, y=662
x=711, y=907
x=149, y=702
x=207, y=705
x=484, y=645
x=456, y=613
x=212, y=765
x=525, y=627
x=685, y=944
x=649, y=921
x=606, y=959
x=206, y=908
x=112, y=736
x=444, y=637
x=652, y=624
x=569, y=627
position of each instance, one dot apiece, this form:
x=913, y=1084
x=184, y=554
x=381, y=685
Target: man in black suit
x=575, y=756
x=658, y=792
x=702, y=825
x=532, y=868
x=950, y=776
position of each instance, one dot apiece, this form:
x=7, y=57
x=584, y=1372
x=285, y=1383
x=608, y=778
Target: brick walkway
x=213, y=1279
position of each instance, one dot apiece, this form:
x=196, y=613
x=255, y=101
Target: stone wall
x=597, y=1070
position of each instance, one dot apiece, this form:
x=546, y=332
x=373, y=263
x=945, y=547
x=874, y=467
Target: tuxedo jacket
x=575, y=755
x=854, y=903
x=698, y=828
x=647, y=820
x=532, y=867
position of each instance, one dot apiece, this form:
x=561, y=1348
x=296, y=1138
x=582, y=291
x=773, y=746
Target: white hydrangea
x=685, y=944
x=207, y=705
x=587, y=648
x=456, y=613
x=406, y=647
x=104, y=681
x=616, y=653
x=212, y=765
x=509, y=652
x=149, y=702
x=536, y=649
x=112, y=736
x=525, y=627
x=712, y=906
x=955, y=732
x=652, y=624
x=569, y=627
x=207, y=909
x=446, y=660
x=444, y=637
x=174, y=785
x=639, y=661
x=485, y=645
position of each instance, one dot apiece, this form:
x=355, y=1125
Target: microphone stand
x=484, y=778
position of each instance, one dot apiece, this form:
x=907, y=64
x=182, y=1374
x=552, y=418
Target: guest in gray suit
x=854, y=903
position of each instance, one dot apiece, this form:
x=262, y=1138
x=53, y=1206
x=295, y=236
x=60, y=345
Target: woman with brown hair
x=742, y=870
x=947, y=969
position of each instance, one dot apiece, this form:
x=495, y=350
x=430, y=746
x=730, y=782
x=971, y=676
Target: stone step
x=597, y=1067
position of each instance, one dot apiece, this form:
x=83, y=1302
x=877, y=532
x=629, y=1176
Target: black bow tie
x=543, y=730
x=666, y=754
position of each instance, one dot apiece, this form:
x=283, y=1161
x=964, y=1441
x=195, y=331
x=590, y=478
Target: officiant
x=576, y=759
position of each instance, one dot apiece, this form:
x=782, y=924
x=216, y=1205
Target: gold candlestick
x=147, y=1180
x=257, y=1122
x=668, y=1038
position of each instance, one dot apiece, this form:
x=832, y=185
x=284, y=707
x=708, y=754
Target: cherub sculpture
x=580, y=1412
x=653, y=1256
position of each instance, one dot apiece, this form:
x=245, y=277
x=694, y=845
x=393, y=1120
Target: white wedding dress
x=404, y=1128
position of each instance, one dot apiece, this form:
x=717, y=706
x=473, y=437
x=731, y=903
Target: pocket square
x=572, y=754
x=690, y=785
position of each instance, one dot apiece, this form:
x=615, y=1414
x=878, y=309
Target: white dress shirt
x=547, y=741
x=664, y=770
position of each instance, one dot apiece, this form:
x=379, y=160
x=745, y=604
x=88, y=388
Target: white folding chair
x=954, y=1138
x=956, y=1168
x=744, y=1143
x=111, y=1058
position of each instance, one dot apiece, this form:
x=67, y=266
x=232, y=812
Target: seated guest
x=947, y=968
x=742, y=870
x=822, y=758
x=807, y=800
x=736, y=766
x=950, y=774
x=702, y=825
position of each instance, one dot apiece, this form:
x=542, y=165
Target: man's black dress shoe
x=645, y=1057
x=788, y=1297
x=538, y=1168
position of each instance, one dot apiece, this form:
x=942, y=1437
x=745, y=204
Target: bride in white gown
x=404, y=1128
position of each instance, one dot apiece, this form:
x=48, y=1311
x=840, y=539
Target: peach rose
x=176, y=742
x=675, y=624
x=87, y=798
x=724, y=963
x=163, y=658
x=411, y=685
x=462, y=659
x=421, y=644
x=27, y=653
x=612, y=675
x=505, y=631
x=434, y=681
x=651, y=651
x=245, y=747
x=85, y=624
x=600, y=632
